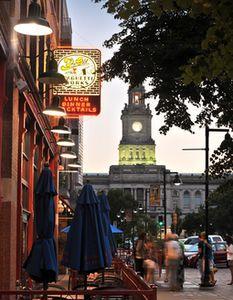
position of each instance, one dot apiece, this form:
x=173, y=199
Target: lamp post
x=206, y=280
x=177, y=182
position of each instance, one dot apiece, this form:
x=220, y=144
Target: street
x=191, y=290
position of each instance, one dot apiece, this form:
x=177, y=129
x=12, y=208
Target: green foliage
x=117, y=200
x=193, y=222
x=217, y=44
x=183, y=49
x=220, y=213
x=223, y=156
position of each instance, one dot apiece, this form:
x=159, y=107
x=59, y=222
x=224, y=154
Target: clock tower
x=136, y=145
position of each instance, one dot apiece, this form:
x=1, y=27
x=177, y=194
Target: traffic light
x=160, y=220
x=174, y=218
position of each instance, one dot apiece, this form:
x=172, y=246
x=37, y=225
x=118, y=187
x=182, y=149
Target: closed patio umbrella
x=86, y=249
x=41, y=264
x=105, y=209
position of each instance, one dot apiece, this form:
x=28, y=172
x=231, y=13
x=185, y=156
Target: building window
x=137, y=154
x=130, y=155
x=198, y=199
x=186, y=199
x=140, y=198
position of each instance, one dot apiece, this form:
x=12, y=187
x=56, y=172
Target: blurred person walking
x=149, y=262
x=173, y=255
x=140, y=251
x=229, y=241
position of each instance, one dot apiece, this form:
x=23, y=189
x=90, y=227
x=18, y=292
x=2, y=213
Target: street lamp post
x=206, y=279
x=177, y=182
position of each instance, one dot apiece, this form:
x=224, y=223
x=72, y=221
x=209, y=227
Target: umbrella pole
x=85, y=282
x=102, y=277
x=45, y=288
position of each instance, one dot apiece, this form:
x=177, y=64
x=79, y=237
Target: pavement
x=191, y=290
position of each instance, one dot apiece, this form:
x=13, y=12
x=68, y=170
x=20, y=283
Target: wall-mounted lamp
x=68, y=154
x=177, y=181
x=51, y=76
x=61, y=128
x=74, y=164
x=55, y=109
x=65, y=141
x=34, y=24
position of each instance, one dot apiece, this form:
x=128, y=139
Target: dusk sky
x=91, y=26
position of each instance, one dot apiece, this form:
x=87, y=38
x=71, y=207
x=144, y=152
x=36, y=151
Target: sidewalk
x=192, y=291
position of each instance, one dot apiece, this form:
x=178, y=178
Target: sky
x=91, y=26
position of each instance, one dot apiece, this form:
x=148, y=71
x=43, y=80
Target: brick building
x=25, y=139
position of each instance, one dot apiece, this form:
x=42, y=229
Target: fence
x=133, y=287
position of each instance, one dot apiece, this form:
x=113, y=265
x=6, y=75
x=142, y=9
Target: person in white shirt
x=229, y=241
x=173, y=256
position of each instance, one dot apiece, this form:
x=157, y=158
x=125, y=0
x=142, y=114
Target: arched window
x=198, y=199
x=186, y=199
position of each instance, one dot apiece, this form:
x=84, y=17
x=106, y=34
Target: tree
x=217, y=44
x=193, y=222
x=221, y=214
x=118, y=200
x=160, y=48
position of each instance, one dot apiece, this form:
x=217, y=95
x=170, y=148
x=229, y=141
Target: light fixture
x=65, y=141
x=55, y=109
x=135, y=211
x=34, y=24
x=51, y=76
x=122, y=211
x=74, y=164
x=177, y=181
x=68, y=171
x=68, y=154
x=140, y=208
x=61, y=128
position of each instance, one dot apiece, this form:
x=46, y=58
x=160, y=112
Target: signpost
x=81, y=68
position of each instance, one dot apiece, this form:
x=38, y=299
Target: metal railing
x=133, y=287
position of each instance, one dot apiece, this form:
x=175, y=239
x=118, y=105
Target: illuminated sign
x=76, y=106
x=81, y=68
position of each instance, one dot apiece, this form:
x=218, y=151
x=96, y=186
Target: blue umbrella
x=114, y=229
x=105, y=209
x=87, y=249
x=41, y=263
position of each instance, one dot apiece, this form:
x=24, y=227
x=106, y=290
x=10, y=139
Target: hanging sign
x=81, y=68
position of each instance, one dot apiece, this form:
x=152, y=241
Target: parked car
x=191, y=256
x=220, y=255
x=192, y=240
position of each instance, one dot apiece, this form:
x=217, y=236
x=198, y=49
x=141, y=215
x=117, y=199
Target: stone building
x=138, y=173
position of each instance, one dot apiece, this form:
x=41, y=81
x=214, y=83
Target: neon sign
x=81, y=68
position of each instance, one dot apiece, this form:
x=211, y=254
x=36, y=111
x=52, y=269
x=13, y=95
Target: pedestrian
x=149, y=262
x=140, y=254
x=205, y=252
x=181, y=264
x=229, y=241
x=173, y=256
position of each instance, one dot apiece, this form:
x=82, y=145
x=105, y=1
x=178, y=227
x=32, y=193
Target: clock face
x=137, y=126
